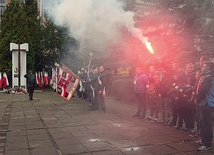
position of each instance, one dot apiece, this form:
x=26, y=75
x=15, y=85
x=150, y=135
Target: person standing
x=31, y=83
x=186, y=113
x=205, y=101
x=140, y=83
x=100, y=88
x=92, y=84
x=153, y=94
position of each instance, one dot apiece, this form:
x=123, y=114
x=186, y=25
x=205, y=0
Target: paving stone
x=11, y=139
x=122, y=143
x=97, y=146
x=16, y=146
x=16, y=133
x=182, y=146
x=38, y=137
x=108, y=153
x=36, y=132
x=40, y=144
x=141, y=141
x=57, y=130
x=17, y=152
x=61, y=135
x=135, y=151
x=44, y=151
x=66, y=141
x=73, y=149
x=160, y=149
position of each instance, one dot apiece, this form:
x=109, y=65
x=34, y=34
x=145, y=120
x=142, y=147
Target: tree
x=13, y=29
x=57, y=45
x=174, y=26
x=34, y=56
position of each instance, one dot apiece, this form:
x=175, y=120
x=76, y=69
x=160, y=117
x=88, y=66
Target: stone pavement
x=50, y=125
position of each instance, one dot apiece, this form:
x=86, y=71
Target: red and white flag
x=37, y=78
x=67, y=83
x=0, y=80
x=46, y=82
x=41, y=80
x=5, y=80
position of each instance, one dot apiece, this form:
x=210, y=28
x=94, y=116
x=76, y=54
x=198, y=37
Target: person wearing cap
x=31, y=83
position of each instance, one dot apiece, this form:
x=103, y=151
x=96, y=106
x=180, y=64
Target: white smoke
x=95, y=23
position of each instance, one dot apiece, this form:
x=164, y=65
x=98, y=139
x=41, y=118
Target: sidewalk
x=50, y=125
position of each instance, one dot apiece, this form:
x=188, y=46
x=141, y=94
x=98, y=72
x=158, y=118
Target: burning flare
x=149, y=47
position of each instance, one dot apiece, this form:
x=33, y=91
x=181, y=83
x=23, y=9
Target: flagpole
x=89, y=65
x=57, y=66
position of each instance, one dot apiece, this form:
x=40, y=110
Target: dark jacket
x=203, y=87
x=31, y=80
x=140, y=82
x=98, y=82
x=101, y=82
x=165, y=85
x=154, y=83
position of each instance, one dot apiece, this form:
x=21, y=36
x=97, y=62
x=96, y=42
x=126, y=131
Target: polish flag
x=41, y=80
x=38, y=78
x=46, y=82
x=0, y=80
x=5, y=80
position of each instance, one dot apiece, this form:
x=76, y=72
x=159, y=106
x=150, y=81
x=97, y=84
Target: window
x=2, y=8
x=2, y=1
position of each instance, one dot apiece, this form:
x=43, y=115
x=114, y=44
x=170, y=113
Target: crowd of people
x=92, y=87
x=183, y=97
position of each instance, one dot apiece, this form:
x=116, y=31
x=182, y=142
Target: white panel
x=23, y=64
x=13, y=46
x=15, y=79
x=23, y=59
x=24, y=46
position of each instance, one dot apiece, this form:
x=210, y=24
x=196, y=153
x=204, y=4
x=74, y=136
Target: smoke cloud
x=95, y=23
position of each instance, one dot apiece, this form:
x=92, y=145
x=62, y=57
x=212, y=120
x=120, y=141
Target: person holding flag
x=101, y=88
x=99, y=83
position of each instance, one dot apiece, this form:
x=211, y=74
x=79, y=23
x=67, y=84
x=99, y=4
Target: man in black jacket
x=31, y=83
x=205, y=111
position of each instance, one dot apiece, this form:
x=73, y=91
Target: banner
x=5, y=80
x=67, y=83
x=46, y=80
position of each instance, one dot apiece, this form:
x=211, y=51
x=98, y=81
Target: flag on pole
x=53, y=79
x=46, y=82
x=0, y=80
x=41, y=79
x=67, y=83
x=37, y=78
x=5, y=80
x=89, y=68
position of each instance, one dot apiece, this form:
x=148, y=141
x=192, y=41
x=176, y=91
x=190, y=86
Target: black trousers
x=30, y=92
x=206, y=124
x=141, y=101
